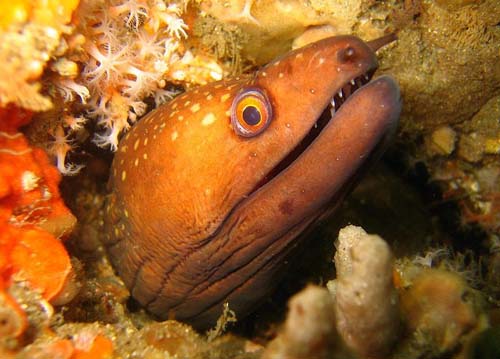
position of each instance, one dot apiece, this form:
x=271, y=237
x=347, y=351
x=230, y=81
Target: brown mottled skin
x=191, y=223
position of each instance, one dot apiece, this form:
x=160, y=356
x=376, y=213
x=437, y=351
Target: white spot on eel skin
x=224, y=97
x=124, y=175
x=209, y=97
x=208, y=119
x=180, y=118
x=136, y=144
x=174, y=135
x=195, y=108
x=280, y=75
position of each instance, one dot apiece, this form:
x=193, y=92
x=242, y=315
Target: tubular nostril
x=347, y=54
x=382, y=41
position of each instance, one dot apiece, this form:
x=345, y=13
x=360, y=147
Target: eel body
x=210, y=192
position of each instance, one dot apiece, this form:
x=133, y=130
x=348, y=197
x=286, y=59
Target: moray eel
x=210, y=192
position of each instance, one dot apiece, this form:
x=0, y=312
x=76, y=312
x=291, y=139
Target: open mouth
x=326, y=116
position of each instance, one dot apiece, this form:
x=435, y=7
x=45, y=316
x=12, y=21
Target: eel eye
x=250, y=112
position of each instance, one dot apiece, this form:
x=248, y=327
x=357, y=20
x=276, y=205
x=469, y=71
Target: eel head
x=211, y=191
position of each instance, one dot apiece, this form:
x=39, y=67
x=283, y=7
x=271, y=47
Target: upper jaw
x=348, y=88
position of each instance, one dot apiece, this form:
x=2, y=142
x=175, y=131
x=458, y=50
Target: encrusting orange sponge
x=33, y=216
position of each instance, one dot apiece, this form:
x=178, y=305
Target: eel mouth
x=328, y=114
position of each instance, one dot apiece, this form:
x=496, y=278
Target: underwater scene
x=250, y=179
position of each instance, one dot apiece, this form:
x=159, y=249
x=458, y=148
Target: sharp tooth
x=353, y=83
x=315, y=125
x=333, y=102
x=332, y=111
x=340, y=93
x=367, y=78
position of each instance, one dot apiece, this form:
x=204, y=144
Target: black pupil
x=251, y=115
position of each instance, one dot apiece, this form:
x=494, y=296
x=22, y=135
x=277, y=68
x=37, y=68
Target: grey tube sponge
x=309, y=330
x=366, y=305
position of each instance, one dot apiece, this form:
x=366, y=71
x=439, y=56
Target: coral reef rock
x=441, y=310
